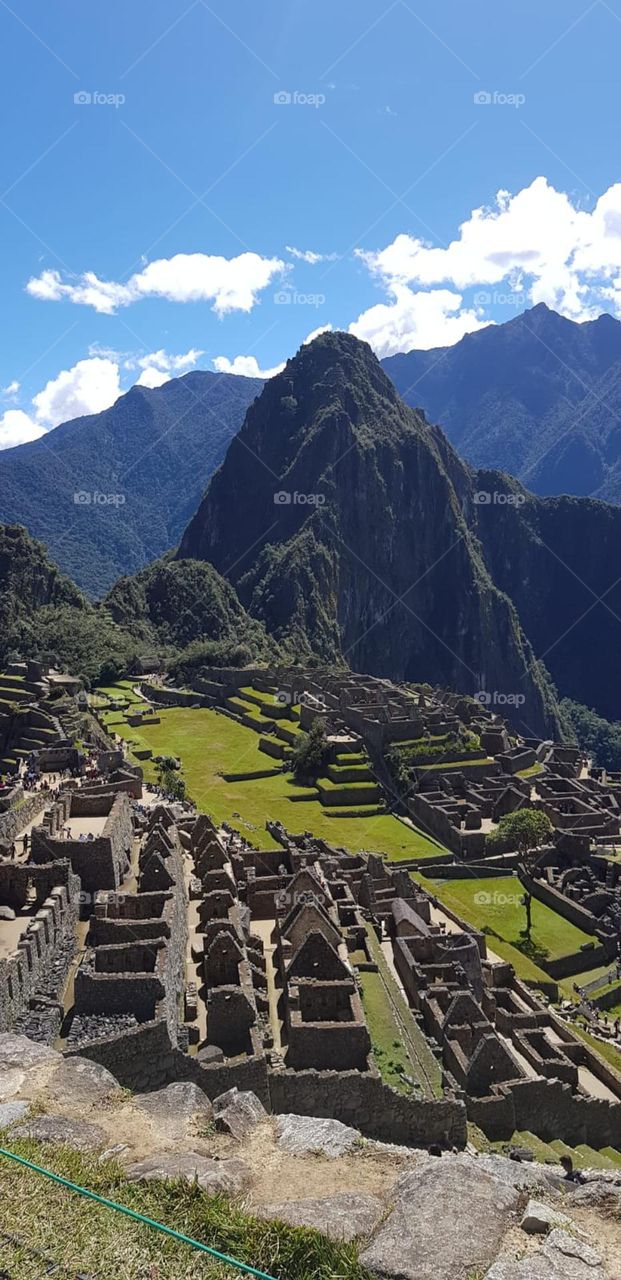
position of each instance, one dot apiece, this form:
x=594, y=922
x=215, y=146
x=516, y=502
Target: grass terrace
x=494, y=904
x=210, y=744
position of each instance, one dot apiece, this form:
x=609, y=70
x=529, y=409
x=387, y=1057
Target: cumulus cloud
x=309, y=255
x=538, y=241
x=88, y=387
x=11, y=389
x=229, y=284
x=16, y=427
x=160, y=366
x=323, y=328
x=246, y=366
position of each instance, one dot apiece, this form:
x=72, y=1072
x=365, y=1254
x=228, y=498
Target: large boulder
x=19, y=1051
x=538, y=1218
x=80, y=1135
x=445, y=1223
x=301, y=1135
x=561, y=1257
x=176, y=1112
x=11, y=1081
x=80, y=1083
x=11, y=1112
x=238, y=1113
x=346, y=1216
x=215, y=1176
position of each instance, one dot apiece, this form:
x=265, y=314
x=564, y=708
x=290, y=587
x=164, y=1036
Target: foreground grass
x=210, y=744
x=81, y=1236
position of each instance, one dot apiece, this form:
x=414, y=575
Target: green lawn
x=209, y=743
x=390, y=1055
x=495, y=903
x=80, y=1236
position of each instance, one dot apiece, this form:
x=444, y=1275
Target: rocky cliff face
x=342, y=519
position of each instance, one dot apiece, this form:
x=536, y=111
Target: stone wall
x=51, y=930
x=13, y=821
x=550, y=1110
x=364, y=1101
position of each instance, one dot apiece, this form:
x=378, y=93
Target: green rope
x=138, y=1217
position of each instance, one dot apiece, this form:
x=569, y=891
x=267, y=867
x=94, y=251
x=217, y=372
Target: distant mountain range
x=110, y=492
x=342, y=527
x=364, y=537
x=538, y=397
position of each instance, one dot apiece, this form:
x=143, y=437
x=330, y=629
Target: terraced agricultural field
x=210, y=744
x=494, y=903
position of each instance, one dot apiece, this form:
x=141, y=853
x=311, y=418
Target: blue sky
x=150, y=229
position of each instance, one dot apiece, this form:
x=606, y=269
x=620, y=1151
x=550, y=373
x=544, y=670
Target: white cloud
x=17, y=428
x=247, y=366
x=537, y=240
x=11, y=389
x=309, y=255
x=229, y=284
x=324, y=328
x=423, y=320
x=160, y=366
x=88, y=387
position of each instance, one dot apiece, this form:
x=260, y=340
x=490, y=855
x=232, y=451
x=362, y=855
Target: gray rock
x=214, y=1176
x=11, y=1081
x=7, y=913
x=446, y=1223
x=210, y=1053
x=538, y=1218
x=80, y=1135
x=19, y=1051
x=79, y=1081
x=303, y=1134
x=238, y=1112
x=340, y=1217
x=597, y=1195
x=11, y=1112
x=561, y=1257
x=523, y=1176
x=176, y=1111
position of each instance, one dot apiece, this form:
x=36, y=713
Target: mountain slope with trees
x=111, y=492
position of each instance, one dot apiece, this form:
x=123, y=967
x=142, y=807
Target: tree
x=311, y=755
x=525, y=830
